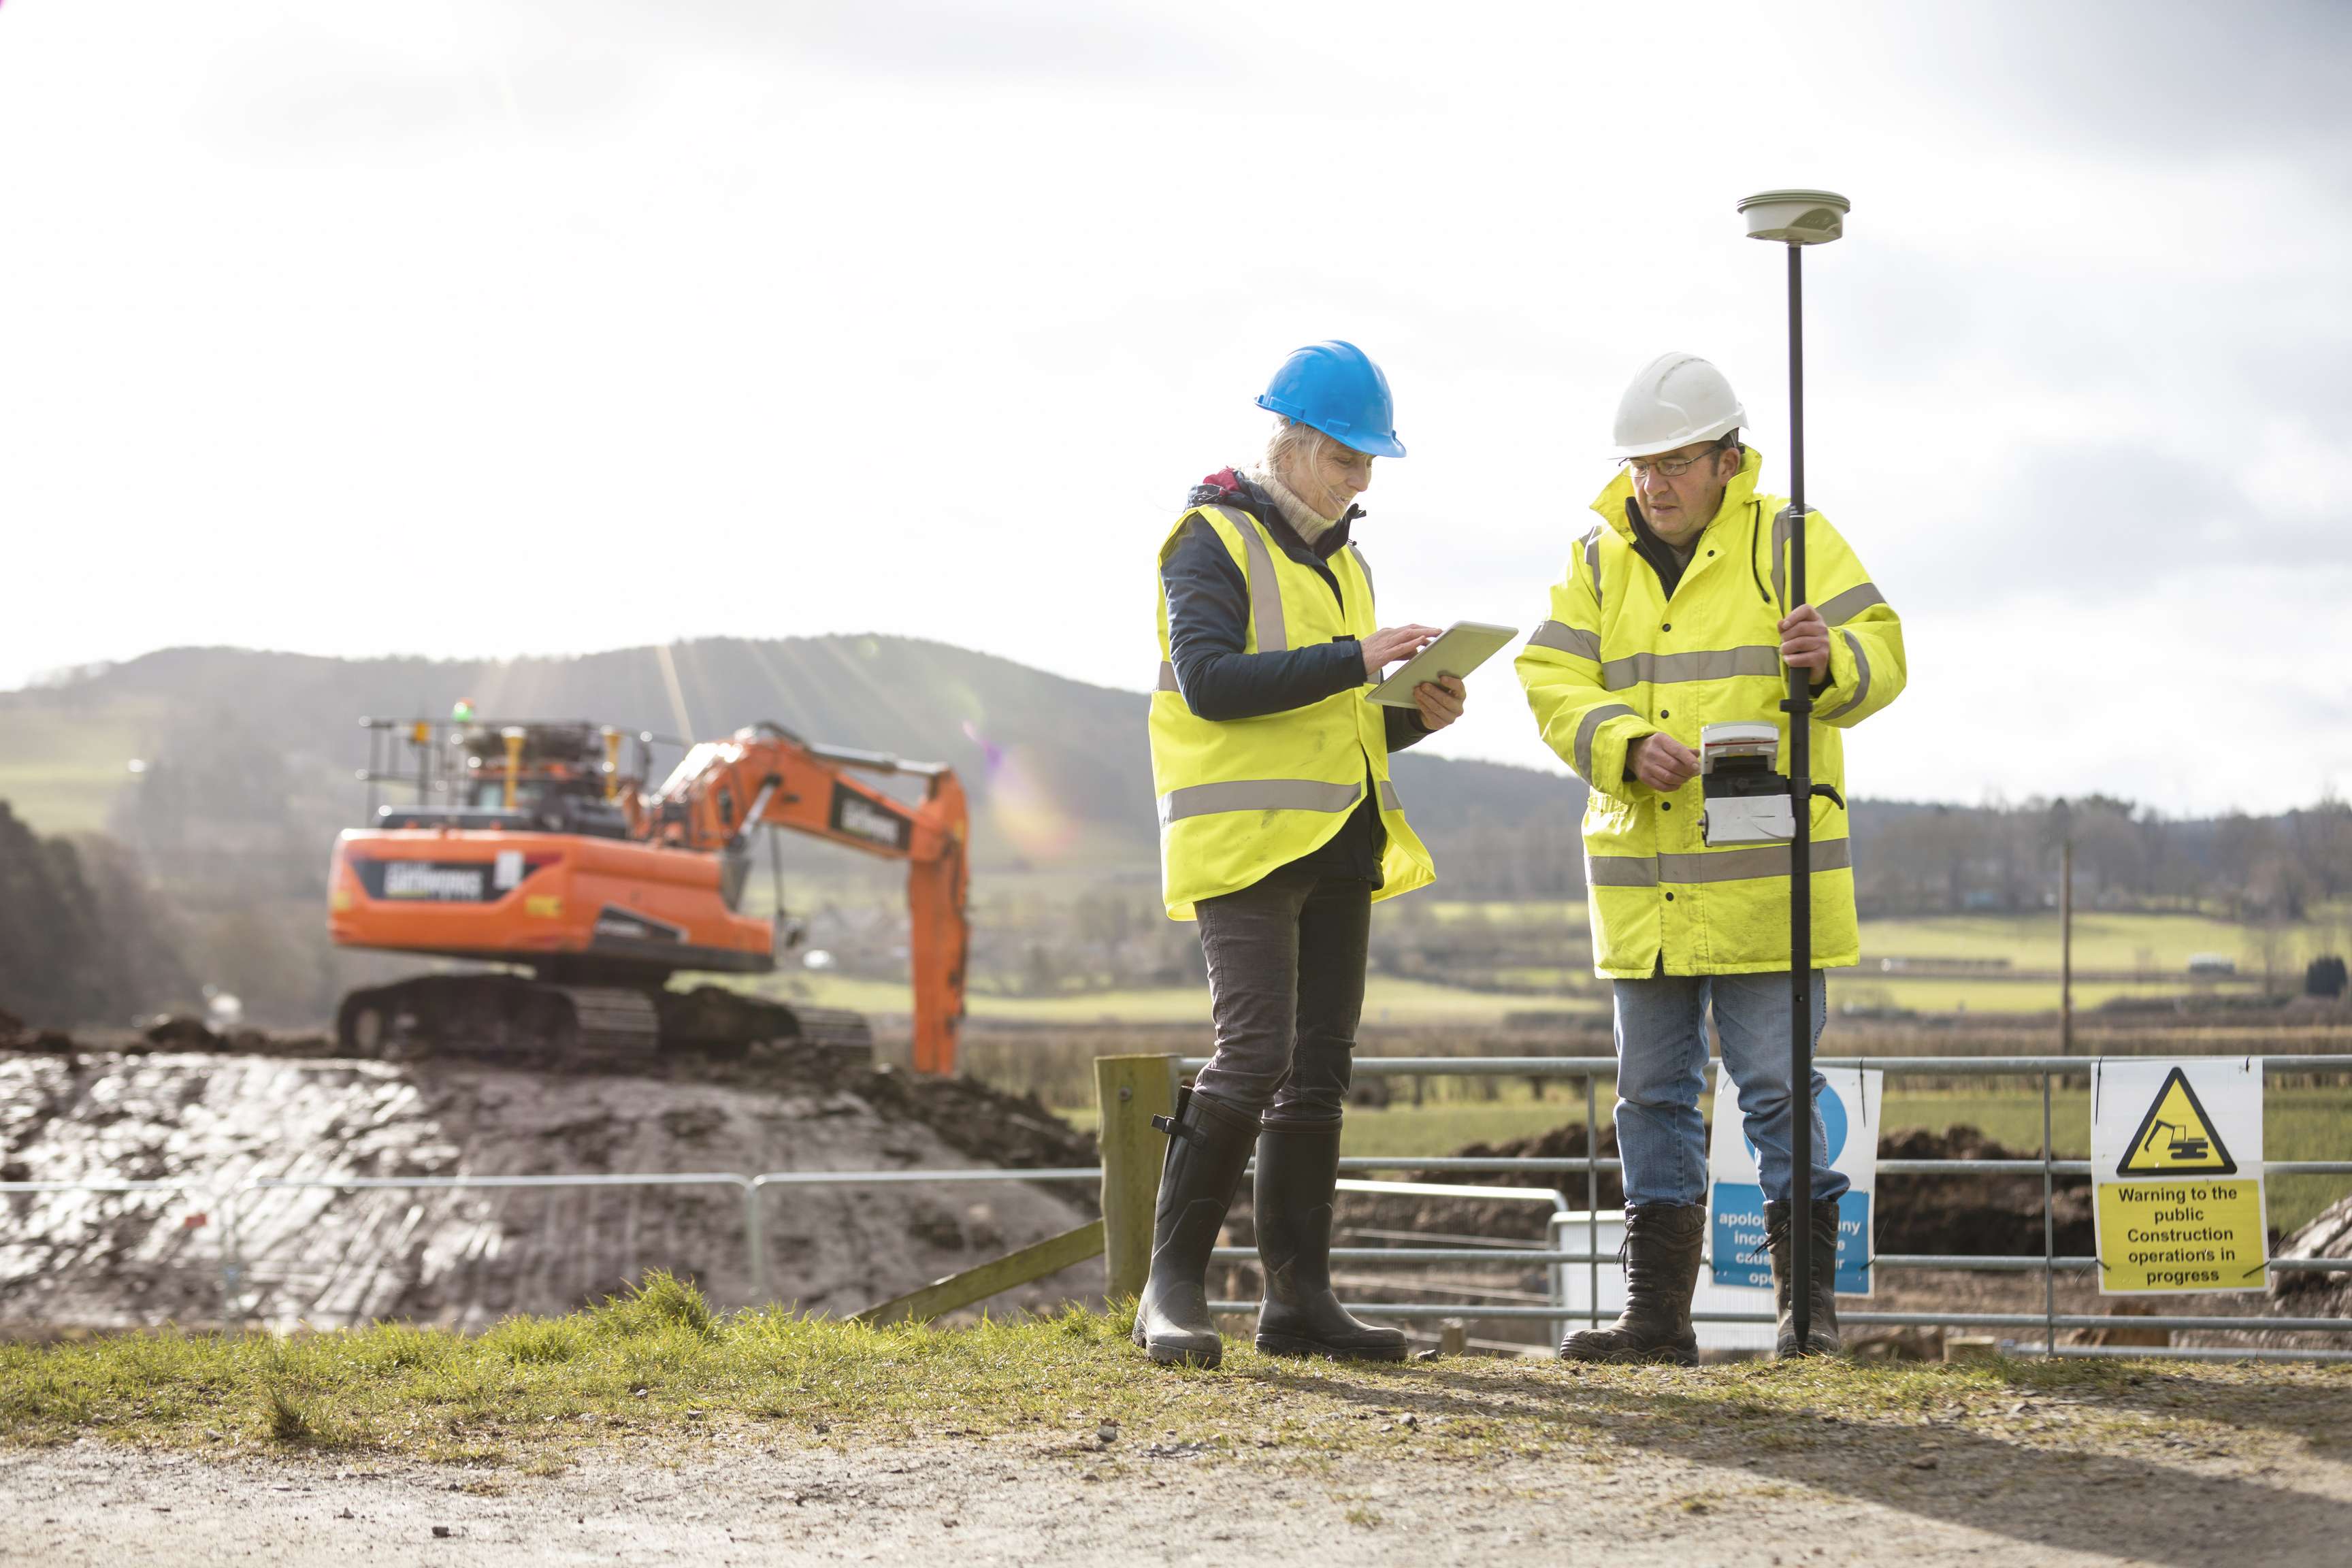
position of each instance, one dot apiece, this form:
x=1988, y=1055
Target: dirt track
x=1856, y=1496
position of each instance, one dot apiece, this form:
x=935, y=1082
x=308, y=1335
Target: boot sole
x=1162, y=1353
x=1663, y=1355
x=1283, y=1344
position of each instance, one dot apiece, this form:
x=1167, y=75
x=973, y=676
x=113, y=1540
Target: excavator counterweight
x=528, y=846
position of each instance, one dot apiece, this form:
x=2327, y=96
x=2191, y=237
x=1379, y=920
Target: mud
x=1980, y=1217
x=217, y=1118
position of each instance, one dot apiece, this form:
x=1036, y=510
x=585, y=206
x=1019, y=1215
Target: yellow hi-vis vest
x=1241, y=798
x=1619, y=660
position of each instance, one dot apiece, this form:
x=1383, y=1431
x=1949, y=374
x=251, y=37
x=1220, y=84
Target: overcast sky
x=505, y=326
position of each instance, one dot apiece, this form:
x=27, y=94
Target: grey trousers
x=1286, y=989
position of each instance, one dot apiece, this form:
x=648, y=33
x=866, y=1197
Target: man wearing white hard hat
x=1672, y=619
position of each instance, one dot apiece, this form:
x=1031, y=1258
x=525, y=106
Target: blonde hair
x=1292, y=443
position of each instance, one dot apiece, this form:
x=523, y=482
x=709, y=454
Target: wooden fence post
x=1130, y=1091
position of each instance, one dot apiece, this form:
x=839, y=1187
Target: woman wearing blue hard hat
x=1278, y=828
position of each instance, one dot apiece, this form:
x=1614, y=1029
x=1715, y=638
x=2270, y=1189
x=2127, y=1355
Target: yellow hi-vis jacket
x=1242, y=797
x=1619, y=660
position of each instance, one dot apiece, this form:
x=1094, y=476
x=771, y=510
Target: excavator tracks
x=515, y=1017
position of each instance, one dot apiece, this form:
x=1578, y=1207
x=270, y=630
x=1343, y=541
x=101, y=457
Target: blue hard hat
x=1336, y=387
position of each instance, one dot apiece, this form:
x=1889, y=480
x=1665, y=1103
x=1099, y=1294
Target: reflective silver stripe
x=1781, y=528
x=1719, y=866
x=1620, y=871
x=1592, y=560
x=1366, y=568
x=1861, y=677
x=1265, y=588
x=1714, y=664
x=1563, y=638
x=1852, y=603
x=1389, y=801
x=1257, y=794
x=1744, y=865
x=1593, y=719
x=1168, y=678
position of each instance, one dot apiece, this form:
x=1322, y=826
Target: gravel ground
x=1855, y=1493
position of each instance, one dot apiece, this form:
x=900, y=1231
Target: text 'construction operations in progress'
x=2177, y=1167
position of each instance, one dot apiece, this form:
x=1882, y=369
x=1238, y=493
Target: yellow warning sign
x=2181, y=1235
x=2177, y=1158
x=2176, y=1138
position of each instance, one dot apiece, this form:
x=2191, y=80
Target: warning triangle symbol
x=2176, y=1137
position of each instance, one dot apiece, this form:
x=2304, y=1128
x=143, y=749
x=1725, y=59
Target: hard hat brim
x=1715, y=431
x=1365, y=441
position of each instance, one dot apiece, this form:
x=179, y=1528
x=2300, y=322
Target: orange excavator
x=529, y=844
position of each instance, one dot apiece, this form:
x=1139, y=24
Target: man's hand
x=1805, y=640
x=1439, y=702
x=1663, y=763
x=1389, y=644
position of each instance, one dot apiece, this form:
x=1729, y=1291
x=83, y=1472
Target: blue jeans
x=1661, y=1067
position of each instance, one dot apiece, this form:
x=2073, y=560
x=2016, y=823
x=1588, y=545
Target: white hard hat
x=1678, y=399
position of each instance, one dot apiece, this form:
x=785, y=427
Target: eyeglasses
x=1673, y=467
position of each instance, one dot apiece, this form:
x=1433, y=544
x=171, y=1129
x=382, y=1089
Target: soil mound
x=1983, y=1216
x=217, y=1118
x=2309, y=1293
x=1975, y=1216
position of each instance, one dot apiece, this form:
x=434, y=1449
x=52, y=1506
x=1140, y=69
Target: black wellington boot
x=1821, y=1328
x=1208, y=1145
x=1663, y=1243
x=1298, y=1179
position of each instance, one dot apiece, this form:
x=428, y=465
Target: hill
x=1058, y=770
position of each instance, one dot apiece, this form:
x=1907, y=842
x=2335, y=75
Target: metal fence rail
x=1544, y=1186
x=2048, y=1263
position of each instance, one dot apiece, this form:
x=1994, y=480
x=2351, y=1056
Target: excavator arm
x=767, y=776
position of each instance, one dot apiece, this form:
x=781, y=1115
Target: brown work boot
x=1663, y=1243
x=1208, y=1145
x=1297, y=1182
x=1821, y=1326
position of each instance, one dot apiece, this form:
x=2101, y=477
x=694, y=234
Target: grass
x=655, y=1369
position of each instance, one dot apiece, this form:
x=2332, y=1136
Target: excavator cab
x=521, y=778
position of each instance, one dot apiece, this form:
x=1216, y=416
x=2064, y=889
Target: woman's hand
x=1439, y=702
x=1389, y=644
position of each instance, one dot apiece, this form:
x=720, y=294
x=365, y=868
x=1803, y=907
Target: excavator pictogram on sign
x=2176, y=1137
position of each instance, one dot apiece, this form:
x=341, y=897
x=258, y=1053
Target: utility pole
x=2065, y=818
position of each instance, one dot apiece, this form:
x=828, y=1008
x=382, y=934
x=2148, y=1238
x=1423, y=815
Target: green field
x=1387, y=1000
x=2154, y=943
x=62, y=769
x=2148, y=942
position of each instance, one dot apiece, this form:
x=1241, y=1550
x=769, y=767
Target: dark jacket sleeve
x=1208, y=617
x=1404, y=727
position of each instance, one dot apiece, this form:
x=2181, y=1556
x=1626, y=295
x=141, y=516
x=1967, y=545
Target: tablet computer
x=1459, y=649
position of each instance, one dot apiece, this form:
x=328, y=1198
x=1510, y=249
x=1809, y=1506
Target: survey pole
x=1797, y=219
x=1800, y=705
